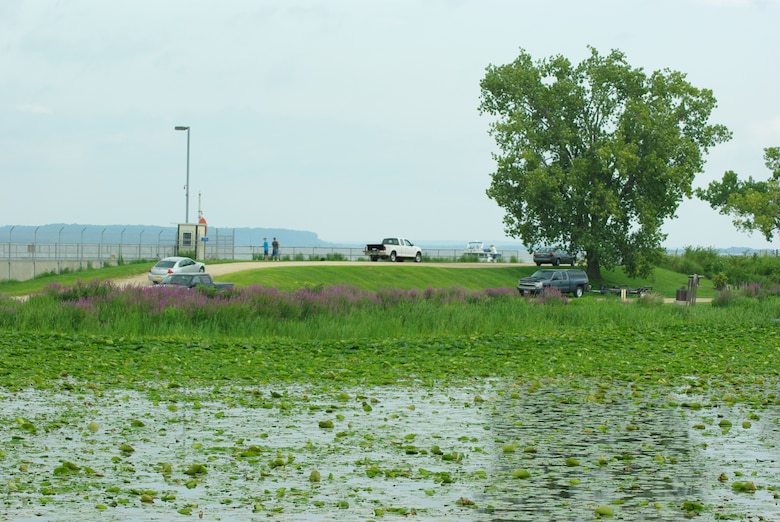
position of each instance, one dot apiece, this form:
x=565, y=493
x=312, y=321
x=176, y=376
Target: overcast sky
x=353, y=119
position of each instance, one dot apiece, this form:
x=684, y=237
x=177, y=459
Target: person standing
x=275, y=250
x=265, y=248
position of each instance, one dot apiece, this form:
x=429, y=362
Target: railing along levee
x=27, y=260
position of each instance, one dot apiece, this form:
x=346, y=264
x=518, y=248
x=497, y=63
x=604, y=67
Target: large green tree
x=754, y=205
x=595, y=157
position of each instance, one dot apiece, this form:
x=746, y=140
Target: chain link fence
x=27, y=260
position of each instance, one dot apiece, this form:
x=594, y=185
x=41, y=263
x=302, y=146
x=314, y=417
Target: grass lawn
x=402, y=275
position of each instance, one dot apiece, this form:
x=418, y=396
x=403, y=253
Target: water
x=431, y=454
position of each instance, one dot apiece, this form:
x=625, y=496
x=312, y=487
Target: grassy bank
x=346, y=312
x=405, y=275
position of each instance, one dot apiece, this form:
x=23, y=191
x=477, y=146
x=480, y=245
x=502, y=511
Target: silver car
x=174, y=265
x=554, y=257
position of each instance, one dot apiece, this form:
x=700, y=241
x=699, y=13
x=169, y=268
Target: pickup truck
x=567, y=281
x=194, y=280
x=394, y=249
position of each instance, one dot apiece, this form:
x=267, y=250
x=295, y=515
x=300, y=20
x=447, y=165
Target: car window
x=165, y=264
x=173, y=279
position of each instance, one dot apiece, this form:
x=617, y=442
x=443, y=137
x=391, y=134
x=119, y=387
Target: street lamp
x=187, y=185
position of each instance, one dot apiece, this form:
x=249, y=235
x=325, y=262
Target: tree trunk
x=594, y=268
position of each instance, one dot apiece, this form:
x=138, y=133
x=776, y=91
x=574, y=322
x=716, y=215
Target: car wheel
x=556, y=262
x=578, y=291
x=538, y=264
x=202, y=269
x=418, y=257
x=393, y=257
x=374, y=258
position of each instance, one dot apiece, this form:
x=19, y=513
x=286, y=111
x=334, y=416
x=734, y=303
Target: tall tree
x=595, y=157
x=754, y=205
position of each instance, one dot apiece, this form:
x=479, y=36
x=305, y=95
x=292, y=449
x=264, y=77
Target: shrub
x=723, y=298
x=720, y=280
x=751, y=290
x=95, y=288
x=551, y=296
x=651, y=299
x=705, y=261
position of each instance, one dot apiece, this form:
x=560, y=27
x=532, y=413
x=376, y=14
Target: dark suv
x=554, y=257
x=566, y=280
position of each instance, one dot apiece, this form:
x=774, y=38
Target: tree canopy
x=754, y=205
x=595, y=157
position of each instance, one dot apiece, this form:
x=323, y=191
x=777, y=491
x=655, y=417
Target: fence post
x=10, y=239
x=34, y=254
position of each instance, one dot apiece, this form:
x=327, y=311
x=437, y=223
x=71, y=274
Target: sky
x=352, y=119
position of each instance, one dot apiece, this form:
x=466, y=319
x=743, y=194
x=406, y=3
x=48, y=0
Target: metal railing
x=29, y=260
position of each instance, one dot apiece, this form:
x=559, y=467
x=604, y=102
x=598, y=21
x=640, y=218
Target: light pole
x=187, y=185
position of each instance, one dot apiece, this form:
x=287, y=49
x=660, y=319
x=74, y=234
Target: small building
x=191, y=240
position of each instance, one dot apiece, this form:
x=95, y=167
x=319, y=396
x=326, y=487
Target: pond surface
x=484, y=452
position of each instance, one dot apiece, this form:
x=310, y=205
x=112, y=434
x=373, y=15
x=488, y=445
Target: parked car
x=393, y=249
x=174, y=265
x=567, y=281
x=554, y=257
x=193, y=281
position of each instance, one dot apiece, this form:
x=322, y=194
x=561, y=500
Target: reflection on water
x=646, y=458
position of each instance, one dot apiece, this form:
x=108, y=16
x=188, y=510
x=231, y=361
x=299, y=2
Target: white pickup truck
x=394, y=249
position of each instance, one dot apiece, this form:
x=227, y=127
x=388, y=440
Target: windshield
x=543, y=274
x=165, y=264
x=176, y=279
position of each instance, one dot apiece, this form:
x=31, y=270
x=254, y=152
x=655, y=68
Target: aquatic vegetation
x=263, y=460
x=508, y=410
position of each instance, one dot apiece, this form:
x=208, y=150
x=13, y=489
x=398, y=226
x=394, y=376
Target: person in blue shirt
x=265, y=248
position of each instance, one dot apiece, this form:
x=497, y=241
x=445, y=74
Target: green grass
x=402, y=275
x=16, y=288
x=405, y=276
x=336, y=310
x=408, y=276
